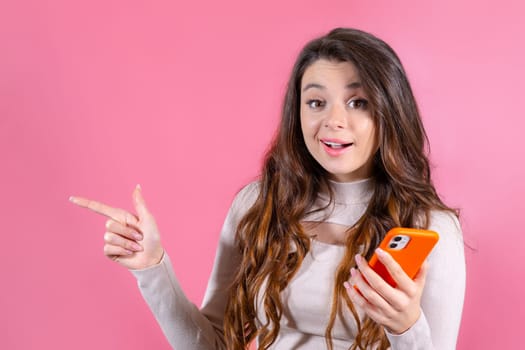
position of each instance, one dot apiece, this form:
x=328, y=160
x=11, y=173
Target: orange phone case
x=410, y=257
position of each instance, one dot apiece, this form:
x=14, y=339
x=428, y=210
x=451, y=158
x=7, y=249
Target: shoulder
x=445, y=223
x=247, y=195
x=450, y=243
x=244, y=200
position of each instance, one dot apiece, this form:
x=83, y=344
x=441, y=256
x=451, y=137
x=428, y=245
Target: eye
x=358, y=103
x=314, y=104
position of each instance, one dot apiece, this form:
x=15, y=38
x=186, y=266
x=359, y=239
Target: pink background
x=96, y=96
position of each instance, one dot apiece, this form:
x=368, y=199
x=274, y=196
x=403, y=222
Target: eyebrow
x=351, y=86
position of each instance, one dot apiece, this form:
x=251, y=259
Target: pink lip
x=334, y=152
x=335, y=141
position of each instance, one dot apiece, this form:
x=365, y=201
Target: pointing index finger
x=116, y=214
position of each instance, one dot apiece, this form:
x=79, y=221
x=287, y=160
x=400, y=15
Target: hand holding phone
x=409, y=247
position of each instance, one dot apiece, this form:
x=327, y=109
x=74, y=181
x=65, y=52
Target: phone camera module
x=398, y=242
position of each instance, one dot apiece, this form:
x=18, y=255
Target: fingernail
x=72, y=199
x=347, y=285
x=358, y=259
x=138, y=186
x=137, y=236
x=352, y=272
x=128, y=252
x=380, y=251
x=136, y=247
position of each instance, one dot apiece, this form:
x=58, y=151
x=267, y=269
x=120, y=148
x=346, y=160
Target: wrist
x=405, y=327
x=155, y=259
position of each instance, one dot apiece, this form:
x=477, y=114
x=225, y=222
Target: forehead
x=327, y=72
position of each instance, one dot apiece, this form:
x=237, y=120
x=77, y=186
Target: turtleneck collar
x=352, y=192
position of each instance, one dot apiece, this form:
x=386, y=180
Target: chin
x=342, y=176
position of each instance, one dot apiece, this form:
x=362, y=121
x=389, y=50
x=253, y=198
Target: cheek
x=368, y=133
x=309, y=126
x=305, y=127
x=372, y=138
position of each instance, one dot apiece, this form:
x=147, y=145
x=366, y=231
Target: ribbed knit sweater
x=307, y=299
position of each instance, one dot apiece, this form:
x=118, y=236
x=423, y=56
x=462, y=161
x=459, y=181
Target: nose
x=335, y=118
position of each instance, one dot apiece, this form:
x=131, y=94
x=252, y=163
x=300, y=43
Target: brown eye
x=358, y=104
x=314, y=104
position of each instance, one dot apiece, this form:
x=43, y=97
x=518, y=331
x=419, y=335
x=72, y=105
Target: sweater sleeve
x=443, y=296
x=184, y=325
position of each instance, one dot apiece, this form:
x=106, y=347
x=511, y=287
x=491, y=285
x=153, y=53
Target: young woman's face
x=336, y=121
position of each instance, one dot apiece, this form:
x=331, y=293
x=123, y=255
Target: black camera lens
x=393, y=245
x=397, y=238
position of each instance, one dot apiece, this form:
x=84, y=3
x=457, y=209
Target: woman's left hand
x=397, y=309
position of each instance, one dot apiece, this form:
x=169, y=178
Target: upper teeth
x=333, y=144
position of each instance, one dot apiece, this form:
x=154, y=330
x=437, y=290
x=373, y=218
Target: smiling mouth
x=335, y=145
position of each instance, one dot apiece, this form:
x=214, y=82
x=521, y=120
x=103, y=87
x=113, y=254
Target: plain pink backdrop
x=183, y=98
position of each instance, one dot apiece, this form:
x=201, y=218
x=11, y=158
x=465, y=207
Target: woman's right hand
x=131, y=240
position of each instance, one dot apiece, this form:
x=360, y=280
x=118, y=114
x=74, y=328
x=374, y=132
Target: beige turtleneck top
x=307, y=298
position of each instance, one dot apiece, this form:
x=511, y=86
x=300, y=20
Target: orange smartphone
x=409, y=247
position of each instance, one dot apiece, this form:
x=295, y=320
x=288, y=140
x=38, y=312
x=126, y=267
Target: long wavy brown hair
x=270, y=236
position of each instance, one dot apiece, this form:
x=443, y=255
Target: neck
x=359, y=191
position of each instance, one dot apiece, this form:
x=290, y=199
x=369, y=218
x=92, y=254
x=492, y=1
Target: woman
x=348, y=163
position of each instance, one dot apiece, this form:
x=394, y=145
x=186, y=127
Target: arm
x=424, y=313
x=184, y=325
x=444, y=292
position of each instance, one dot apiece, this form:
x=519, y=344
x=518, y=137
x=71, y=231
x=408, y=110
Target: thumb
x=140, y=203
